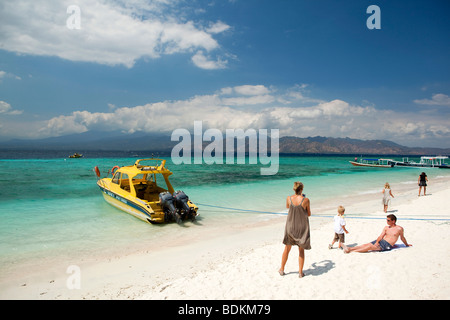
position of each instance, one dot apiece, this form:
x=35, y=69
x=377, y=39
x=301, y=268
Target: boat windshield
x=159, y=180
x=116, y=178
x=150, y=179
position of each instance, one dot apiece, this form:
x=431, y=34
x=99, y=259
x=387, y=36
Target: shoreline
x=241, y=261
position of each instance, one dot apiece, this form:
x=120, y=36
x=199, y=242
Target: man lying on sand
x=385, y=241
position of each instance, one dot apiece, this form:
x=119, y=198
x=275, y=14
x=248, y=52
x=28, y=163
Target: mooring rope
x=319, y=215
x=237, y=209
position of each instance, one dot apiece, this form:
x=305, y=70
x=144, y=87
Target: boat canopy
x=379, y=159
x=127, y=177
x=435, y=158
x=438, y=160
x=157, y=167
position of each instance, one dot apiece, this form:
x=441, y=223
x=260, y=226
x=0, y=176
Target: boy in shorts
x=339, y=228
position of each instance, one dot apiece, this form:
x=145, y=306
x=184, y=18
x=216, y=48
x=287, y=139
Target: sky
x=308, y=68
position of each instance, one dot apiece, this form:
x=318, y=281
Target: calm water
x=50, y=205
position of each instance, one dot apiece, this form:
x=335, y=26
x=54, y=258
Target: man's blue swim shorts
x=384, y=245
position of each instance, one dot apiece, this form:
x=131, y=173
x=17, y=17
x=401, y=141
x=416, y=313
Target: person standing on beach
x=387, y=194
x=386, y=240
x=297, y=228
x=423, y=183
x=339, y=228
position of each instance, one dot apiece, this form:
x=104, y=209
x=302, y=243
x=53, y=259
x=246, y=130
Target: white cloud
x=111, y=32
x=438, y=99
x=4, y=75
x=218, y=27
x=203, y=62
x=6, y=109
x=243, y=101
x=246, y=95
x=250, y=90
x=252, y=106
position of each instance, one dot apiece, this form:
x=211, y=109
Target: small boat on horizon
x=76, y=155
x=376, y=163
x=145, y=192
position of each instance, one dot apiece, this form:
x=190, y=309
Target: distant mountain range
x=324, y=145
x=116, y=141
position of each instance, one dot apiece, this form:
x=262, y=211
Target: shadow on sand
x=319, y=268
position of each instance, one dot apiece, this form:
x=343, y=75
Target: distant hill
x=139, y=141
x=324, y=145
x=93, y=140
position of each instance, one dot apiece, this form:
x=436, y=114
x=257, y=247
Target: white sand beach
x=242, y=262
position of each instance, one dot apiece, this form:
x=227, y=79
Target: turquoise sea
x=51, y=207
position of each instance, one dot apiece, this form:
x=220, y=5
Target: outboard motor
x=181, y=202
x=167, y=204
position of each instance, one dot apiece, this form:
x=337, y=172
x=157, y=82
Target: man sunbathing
x=386, y=241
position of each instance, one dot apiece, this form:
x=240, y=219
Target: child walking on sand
x=387, y=195
x=339, y=228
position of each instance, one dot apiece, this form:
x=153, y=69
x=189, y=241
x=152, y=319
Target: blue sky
x=305, y=67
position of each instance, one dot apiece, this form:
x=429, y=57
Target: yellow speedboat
x=145, y=192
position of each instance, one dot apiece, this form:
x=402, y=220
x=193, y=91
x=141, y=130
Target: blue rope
x=235, y=209
x=323, y=216
x=382, y=218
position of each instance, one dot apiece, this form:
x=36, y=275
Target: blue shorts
x=384, y=245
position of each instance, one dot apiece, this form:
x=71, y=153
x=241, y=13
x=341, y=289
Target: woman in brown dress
x=297, y=227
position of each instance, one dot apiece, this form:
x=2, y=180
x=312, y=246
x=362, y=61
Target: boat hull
x=358, y=164
x=141, y=211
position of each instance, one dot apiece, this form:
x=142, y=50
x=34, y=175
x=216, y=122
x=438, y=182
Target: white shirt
x=338, y=223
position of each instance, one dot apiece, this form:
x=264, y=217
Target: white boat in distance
x=377, y=163
x=425, y=162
